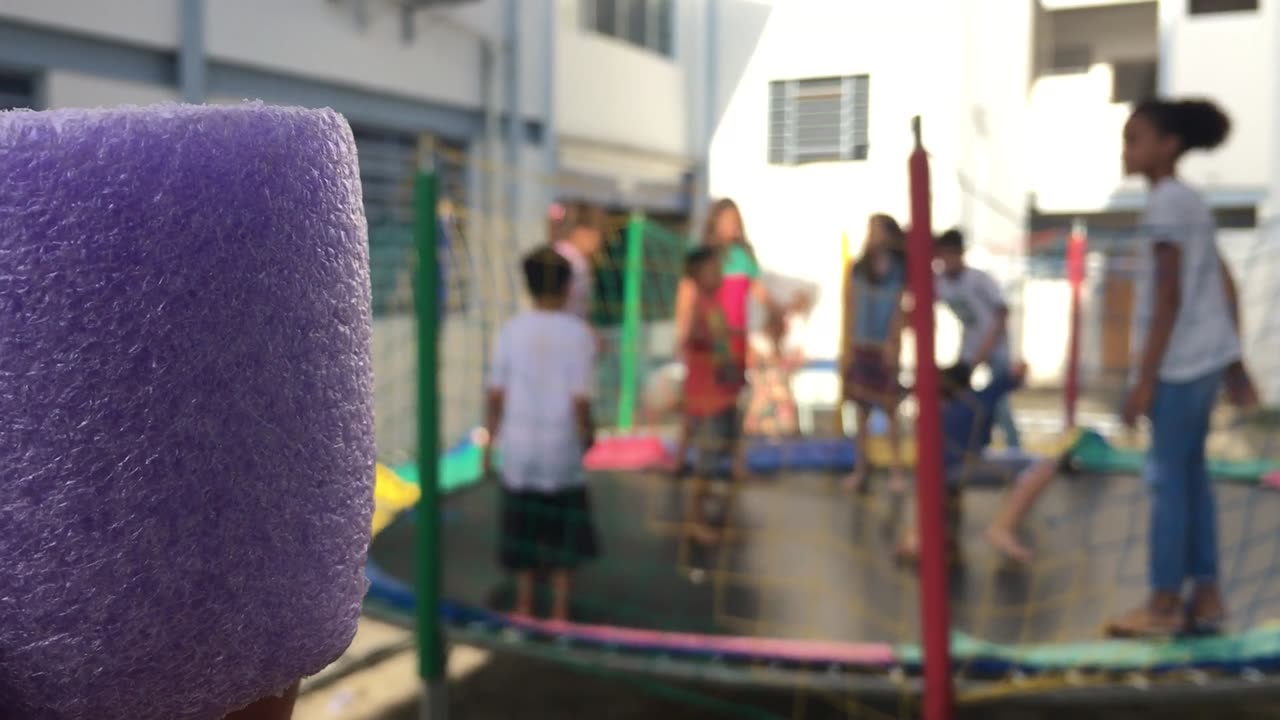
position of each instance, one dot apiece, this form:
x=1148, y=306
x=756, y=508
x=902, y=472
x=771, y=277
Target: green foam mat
x=1093, y=453
x=459, y=468
x=1258, y=645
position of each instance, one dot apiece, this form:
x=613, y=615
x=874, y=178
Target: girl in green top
x=740, y=283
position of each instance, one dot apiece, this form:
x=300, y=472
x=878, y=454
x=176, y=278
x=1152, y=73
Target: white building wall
x=323, y=41
x=969, y=100
x=1077, y=137
x=622, y=111
x=1229, y=58
x=611, y=92
x=1076, y=130
x=65, y=89
x=152, y=23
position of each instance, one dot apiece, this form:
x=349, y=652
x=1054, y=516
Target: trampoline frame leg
x=434, y=701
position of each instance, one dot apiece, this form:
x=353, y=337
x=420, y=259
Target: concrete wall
x=72, y=89
x=1231, y=59
x=612, y=92
x=1076, y=141
x=1116, y=32
x=153, y=23
x=322, y=40
x=1075, y=150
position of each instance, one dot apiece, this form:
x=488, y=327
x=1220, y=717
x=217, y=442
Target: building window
x=16, y=91
x=646, y=24
x=1236, y=218
x=1133, y=81
x=1214, y=7
x=388, y=168
x=818, y=120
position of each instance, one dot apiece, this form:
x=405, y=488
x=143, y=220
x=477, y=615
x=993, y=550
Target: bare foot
x=704, y=534
x=898, y=484
x=1007, y=545
x=909, y=549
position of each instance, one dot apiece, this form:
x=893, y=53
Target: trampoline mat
x=801, y=560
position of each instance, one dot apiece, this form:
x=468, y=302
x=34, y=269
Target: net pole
x=629, y=352
x=934, y=604
x=1076, y=244
x=845, y=256
x=431, y=656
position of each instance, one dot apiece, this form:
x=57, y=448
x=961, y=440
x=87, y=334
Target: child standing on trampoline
x=739, y=282
x=873, y=323
x=714, y=379
x=975, y=299
x=1184, y=338
x=539, y=410
x=967, y=418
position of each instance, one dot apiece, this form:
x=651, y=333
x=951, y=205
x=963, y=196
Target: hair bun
x=1199, y=124
x=1203, y=124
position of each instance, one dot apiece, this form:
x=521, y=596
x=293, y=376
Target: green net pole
x=629, y=353
x=431, y=656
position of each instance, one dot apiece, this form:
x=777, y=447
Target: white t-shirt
x=975, y=299
x=543, y=362
x=1204, y=338
x=580, y=283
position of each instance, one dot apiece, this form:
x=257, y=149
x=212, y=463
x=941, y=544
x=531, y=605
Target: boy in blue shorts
x=967, y=421
x=967, y=418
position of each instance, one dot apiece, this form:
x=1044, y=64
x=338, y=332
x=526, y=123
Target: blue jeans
x=1183, y=538
x=1003, y=411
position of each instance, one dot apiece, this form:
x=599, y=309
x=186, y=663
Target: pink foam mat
x=775, y=649
x=635, y=452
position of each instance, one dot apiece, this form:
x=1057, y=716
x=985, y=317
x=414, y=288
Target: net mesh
x=803, y=586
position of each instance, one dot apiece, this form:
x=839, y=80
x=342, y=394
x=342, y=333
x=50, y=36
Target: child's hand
x=1240, y=388
x=486, y=459
x=892, y=354
x=1138, y=402
x=801, y=302
x=1019, y=371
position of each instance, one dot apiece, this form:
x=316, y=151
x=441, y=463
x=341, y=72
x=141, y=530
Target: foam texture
x=186, y=422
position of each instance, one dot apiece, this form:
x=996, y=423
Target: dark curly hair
x=1198, y=124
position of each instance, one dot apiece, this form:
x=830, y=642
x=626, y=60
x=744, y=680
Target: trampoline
x=804, y=590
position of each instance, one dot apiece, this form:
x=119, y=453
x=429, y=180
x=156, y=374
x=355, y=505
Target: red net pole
x=934, y=597
x=1075, y=278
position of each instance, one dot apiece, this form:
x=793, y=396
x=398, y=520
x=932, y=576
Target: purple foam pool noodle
x=186, y=422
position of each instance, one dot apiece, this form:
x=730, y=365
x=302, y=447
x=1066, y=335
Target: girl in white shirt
x=1184, y=339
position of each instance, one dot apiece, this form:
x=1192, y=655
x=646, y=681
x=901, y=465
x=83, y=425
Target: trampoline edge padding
x=1254, y=649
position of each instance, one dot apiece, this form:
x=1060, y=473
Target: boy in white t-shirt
x=978, y=304
x=539, y=415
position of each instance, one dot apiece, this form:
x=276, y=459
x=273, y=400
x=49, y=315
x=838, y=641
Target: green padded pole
x=629, y=353
x=431, y=654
